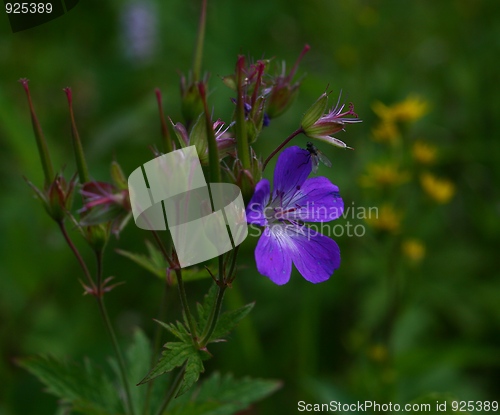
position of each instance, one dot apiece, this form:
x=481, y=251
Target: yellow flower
x=424, y=152
x=378, y=352
x=383, y=175
x=386, y=132
x=386, y=219
x=409, y=110
x=441, y=190
x=413, y=249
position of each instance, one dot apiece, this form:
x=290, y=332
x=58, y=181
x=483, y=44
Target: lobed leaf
x=87, y=389
x=223, y=395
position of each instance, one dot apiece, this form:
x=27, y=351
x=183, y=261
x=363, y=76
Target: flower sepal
x=57, y=198
x=314, y=112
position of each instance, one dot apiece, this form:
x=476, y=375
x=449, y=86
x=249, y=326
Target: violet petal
x=293, y=167
x=272, y=255
x=316, y=256
x=318, y=200
x=258, y=202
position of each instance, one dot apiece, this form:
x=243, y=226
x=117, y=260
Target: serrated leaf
x=87, y=389
x=144, y=262
x=138, y=357
x=228, y=321
x=206, y=307
x=176, y=355
x=178, y=330
x=223, y=395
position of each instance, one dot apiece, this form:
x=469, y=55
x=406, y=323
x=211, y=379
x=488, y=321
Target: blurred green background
x=392, y=324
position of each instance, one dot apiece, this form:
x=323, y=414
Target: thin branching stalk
x=172, y=391
x=157, y=342
x=283, y=144
x=109, y=327
x=79, y=258
x=180, y=283
x=214, y=316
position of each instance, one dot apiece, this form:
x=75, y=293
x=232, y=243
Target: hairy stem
x=214, y=316
x=172, y=391
x=283, y=144
x=157, y=343
x=240, y=127
x=79, y=258
x=180, y=283
x=112, y=335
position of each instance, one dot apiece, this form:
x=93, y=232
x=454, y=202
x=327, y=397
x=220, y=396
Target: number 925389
x=28, y=8
x=473, y=406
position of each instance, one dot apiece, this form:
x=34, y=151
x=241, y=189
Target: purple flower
x=295, y=200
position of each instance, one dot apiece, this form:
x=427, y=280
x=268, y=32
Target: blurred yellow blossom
x=387, y=219
x=378, y=352
x=409, y=110
x=386, y=132
x=424, y=152
x=383, y=175
x=413, y=249
x=441, y=190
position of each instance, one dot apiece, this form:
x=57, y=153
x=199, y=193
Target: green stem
x=156, y=344
x=283, y=144
x=240, y=126
x=180, y=283
x=185, y=306
x=229, y=276
x=167, y=140
x=200, y=40
x=112, y=335
x=213, y=151
x=163, y=249
x=214, y=316
x=172, y=391
x=79, y=258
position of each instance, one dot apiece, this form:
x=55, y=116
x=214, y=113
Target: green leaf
x=175, y=355
x=138, y=357
x=145, y=262
x=177, y=329
x=157, y=265
x=223, y=395
x=87, y=389
x=228, y=321
x=206, y=307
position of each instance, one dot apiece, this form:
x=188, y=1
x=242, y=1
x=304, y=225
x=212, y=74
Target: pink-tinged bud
x=119, y=178
x=246, y=179
x=81, y=164
x=328, y=124
x=192, y=104
x=57, y=198
x=315, y=112
x=104, y=204
x=283, y=92
x=43, y=150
